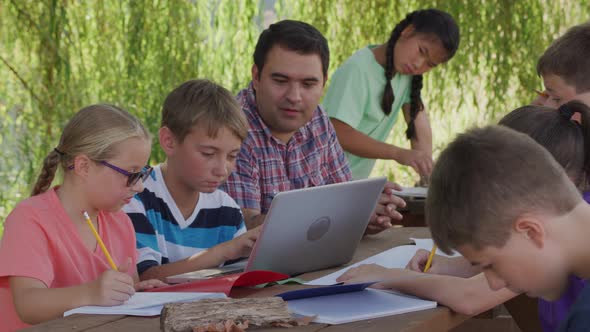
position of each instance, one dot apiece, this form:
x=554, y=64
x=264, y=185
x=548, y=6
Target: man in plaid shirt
x=291, y=143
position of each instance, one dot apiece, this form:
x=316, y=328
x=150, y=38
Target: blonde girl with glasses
x=50, y=261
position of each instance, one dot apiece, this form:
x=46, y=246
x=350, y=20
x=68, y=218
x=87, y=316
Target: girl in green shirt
x=367, y=92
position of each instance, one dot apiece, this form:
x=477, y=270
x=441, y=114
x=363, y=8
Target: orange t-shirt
x=40, y=241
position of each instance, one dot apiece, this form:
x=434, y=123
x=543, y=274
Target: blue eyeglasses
x=132, y=178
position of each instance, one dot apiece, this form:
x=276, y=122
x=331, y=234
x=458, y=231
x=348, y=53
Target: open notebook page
x=144, y=304
x=396, y=257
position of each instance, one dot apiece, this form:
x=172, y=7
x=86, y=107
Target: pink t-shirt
x=40, y=241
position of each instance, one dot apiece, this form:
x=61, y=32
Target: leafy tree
x=58, y=56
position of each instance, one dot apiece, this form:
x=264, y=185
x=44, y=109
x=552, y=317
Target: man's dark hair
x=295, y=36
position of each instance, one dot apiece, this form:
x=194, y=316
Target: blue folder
x=323, y=291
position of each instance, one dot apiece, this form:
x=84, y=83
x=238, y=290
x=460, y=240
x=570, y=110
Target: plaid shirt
x=267, y=166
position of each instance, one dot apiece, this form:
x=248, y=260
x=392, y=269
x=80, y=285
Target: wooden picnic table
x=438, y=319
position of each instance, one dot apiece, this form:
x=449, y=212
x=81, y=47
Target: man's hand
x=386, y=210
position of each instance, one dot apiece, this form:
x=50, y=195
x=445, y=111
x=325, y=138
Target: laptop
x=307, y=230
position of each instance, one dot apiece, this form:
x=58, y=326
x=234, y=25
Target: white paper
x=419, y=192
x=427, y=244
x=397, y=257
x=354, y=306
x=208, y=273
x=144, y=303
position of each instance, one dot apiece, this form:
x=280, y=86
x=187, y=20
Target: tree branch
x=24, y=83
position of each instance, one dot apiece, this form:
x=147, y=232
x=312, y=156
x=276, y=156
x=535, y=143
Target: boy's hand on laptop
x=386, y=209
x=240, y=246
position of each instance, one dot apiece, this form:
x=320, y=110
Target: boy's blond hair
x=486, y=179
x=205, y=104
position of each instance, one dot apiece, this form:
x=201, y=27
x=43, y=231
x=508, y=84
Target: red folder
x=224, y=284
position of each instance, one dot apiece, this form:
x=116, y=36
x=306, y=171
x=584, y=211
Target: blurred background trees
x=57, y=56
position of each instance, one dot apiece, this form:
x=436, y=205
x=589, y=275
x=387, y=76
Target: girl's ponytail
x=48, y=171
x=388, y=96
x=568, y=110
x=415, y=105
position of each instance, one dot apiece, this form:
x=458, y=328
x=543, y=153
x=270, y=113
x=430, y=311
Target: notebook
x=310, y=229
x=339, y=304
x=143, y=304
x=324, y=291
x=359, y=305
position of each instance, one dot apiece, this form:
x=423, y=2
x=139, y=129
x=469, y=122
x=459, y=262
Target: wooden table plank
x=143, y=324
x=440, y=319
x=76, y=322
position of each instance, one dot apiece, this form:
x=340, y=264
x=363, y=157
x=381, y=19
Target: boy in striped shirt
x=182, y=221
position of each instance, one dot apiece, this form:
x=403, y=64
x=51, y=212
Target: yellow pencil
x=100, y=243
x=430, y=257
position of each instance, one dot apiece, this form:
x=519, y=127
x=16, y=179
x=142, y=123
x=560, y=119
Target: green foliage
x=492, y=73
x=58, y=56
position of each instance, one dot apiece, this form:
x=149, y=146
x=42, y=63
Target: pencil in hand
x=430, y=257
x=100, y=243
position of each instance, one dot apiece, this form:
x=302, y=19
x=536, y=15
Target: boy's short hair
x=567, y=57
x=295, y=36
x=206, y=104
x=485, y=180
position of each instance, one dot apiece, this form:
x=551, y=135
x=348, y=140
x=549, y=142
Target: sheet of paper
x=426, y=244
x=208, y=273
x=412, y=192
x=144, y=304
x=396, y=257
x=345, y=308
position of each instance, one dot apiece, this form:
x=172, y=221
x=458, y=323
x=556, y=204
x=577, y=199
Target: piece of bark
x=257, y=312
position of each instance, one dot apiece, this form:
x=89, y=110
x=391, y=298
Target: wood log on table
x=259, y=312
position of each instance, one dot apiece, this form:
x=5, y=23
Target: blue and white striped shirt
x=164, y=235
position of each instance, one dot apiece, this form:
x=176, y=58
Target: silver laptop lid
x=315, y=228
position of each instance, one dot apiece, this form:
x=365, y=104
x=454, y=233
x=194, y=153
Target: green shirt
x=354, y=97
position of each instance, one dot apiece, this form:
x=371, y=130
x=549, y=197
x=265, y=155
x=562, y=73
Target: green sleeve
x=346, y=95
